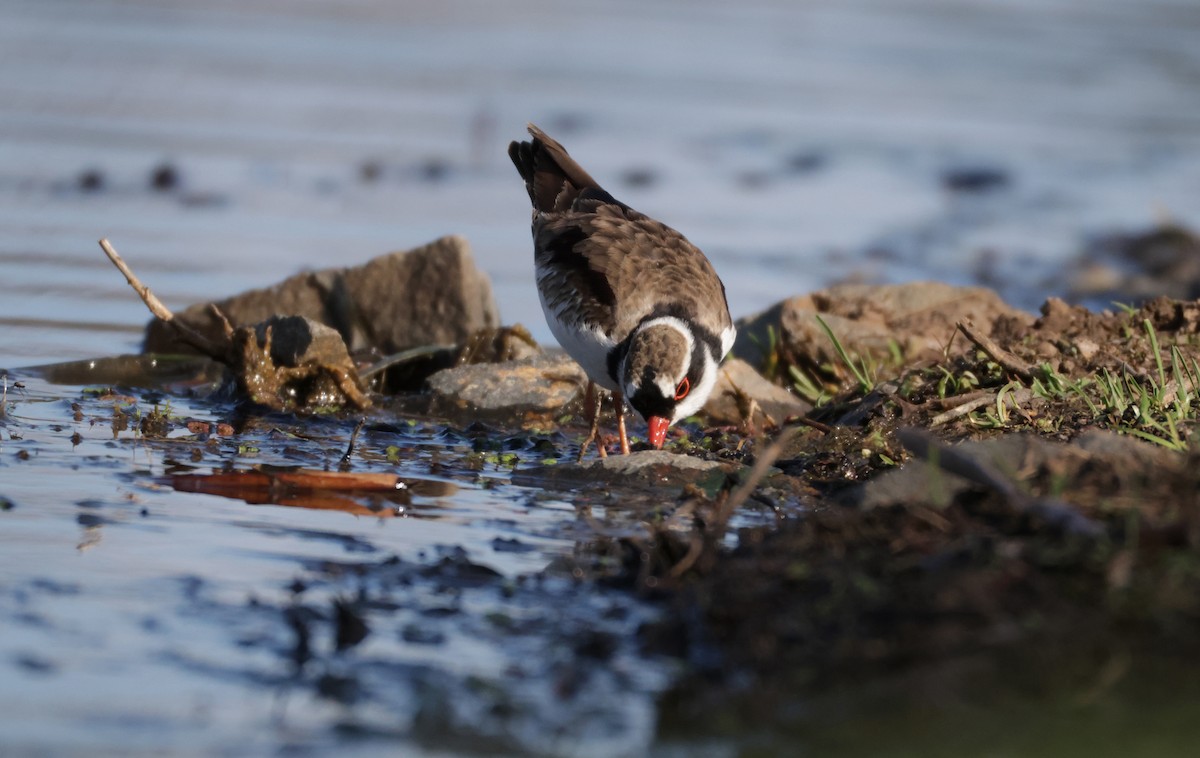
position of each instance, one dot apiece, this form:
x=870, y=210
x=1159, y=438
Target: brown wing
x=593, y=252
x=614, y=255
x=651, y=267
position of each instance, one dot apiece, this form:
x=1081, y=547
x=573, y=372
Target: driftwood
x=284, y=363
x=206, y=346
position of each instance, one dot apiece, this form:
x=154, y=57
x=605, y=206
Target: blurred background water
x=798, y=143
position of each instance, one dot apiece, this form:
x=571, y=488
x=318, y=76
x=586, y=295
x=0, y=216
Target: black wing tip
x=551, y=175
x=524, y=153
x=521, y=154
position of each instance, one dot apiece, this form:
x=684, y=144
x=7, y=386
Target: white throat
x=698, y=394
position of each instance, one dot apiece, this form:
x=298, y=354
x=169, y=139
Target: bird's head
x=667, y=373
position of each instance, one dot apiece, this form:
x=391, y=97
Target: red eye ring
x=682, y=389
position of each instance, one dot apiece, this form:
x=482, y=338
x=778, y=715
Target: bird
x=630, y=299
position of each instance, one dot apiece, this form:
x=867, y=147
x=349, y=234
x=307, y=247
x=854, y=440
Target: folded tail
x=552, y=177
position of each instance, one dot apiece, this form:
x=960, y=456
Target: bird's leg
x=619, y=403
x=592, y=401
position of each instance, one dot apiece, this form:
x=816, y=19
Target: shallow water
x=797, y=143
x=142, y=618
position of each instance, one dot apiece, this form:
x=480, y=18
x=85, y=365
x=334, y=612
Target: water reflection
x=365, y=494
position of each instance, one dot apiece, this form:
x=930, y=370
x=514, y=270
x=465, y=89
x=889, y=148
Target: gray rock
x=545, y=382
x=738, y=382
x=1129, y=463
x=645, y=468
x=430, y=295
x=918, y=483
x=645, y=461
x=920, y=317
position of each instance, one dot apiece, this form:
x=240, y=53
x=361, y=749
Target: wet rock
x=155, y=371
x=540, y=383
x=659, y=464
x=290, y=362
x=742, y=394
x=506, y=343
x=645, y=468
x=917, y=483
x=919, y=317
x=430, y=295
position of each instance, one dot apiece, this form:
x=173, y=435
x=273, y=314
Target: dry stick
x=162, y=312
x=219, y=315
x=757, y=473
x=1007, y=360
x=806, y=421
x=1021, y=395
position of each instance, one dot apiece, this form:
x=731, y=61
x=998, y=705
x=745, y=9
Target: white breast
x=589, y=346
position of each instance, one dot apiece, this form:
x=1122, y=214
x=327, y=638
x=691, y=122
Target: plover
x=628, y=297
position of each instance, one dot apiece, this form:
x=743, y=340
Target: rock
x=429, y=295
x=1104, y=466
x=737, y=384
x=916, y=482
x=920, y=317
x=294, y=363
x=640, y=469
x=541, y=383
x=153, y=371
x=408, y=371
x=655, y=463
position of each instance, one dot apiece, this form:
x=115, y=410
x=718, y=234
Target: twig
x=221, y=318
x=413, y=354
x=757, y=473
x=806, y=421
x=162, y=312
x=701, y=545
x=1021, y=395
x=345, y=462
x=1007, y=360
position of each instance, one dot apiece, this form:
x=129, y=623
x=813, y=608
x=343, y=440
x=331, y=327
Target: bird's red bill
x=658, y=431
